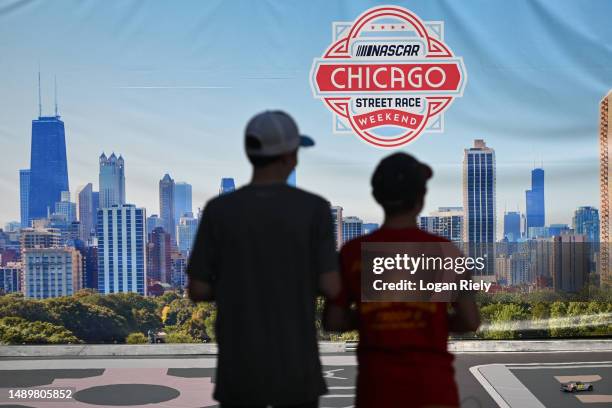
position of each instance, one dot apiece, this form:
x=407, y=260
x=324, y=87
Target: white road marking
x=332, y=374
x=488, y=387
x=504, y=387
x=559, y=366
x=583, y=378
x=594, y=398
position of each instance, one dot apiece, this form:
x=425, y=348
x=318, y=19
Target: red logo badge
x=388, y=76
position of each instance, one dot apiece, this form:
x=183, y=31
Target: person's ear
x=290, y=158
x=420, y=203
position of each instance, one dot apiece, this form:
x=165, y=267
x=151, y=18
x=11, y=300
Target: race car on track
x=575, y=386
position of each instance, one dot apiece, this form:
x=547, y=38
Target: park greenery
x=88, y=317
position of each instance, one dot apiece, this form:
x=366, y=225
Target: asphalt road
x=520, y=380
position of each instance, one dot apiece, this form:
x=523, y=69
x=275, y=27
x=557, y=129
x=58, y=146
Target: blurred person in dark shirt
x=263, y=253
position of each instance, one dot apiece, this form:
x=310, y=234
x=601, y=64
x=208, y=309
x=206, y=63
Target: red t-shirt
x=402, y=353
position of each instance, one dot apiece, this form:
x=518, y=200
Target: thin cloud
x=172, y=87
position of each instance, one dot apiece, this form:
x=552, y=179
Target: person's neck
x=399, y=221
x=267, y=175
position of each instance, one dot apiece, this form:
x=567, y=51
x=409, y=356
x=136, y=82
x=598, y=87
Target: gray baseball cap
x=273, y=133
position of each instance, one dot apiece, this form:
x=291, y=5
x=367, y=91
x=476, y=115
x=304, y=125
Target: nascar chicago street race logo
x=388, y=76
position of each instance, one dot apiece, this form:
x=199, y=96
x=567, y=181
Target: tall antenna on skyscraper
x=55, y=86
x=39, y=95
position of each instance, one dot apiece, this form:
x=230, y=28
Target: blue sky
x=170, y=85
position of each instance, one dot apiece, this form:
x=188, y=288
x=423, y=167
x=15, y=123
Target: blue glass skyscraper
x=227, y=185
x=586, y=221
x=24, y=193
x=535, y=201
x=48, y=166
x=182, y=200
x=512, y=226
x=479, y=193
x=479, y=204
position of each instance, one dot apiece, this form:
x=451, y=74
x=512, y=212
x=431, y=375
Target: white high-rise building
x=121, y=232
x=112, y=181
x=352, y=227
x=447, y=222
x=51, y=272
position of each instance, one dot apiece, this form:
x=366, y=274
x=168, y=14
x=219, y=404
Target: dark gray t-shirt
x=263, y=249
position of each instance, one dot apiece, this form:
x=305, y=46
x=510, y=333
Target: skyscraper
x=569, y=263
x=24, y=193
x=227, y=185
x=336, y=212
x=586, y=222
x=182, y=200
x=111, y=181
x=159, y=262
x=352, y=227
x=90, y=272
x=86, y=211
x=186, y=232
x=153, y=221
x=512, y=226
x=534, y=198
x=479, y=202
x=605, y=189
x=166, y=205
x=447, y=222
x=48, y=166
x=121, y=249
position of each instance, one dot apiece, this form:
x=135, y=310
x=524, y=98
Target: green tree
x=89, y=322
x=140, y=313
x=180, y=337
x=15, y=330
x=136, y=338
x=179, y=312
x=506, y=322
x=28, y=309
x=209, y=322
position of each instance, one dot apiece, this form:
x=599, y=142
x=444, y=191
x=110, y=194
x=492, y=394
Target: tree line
x=88, y=317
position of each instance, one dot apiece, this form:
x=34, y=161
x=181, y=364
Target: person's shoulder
x=354, y=245
x=223, y=200
x=309, y=197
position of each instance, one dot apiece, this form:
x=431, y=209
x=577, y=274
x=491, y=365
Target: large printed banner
x=112, y=103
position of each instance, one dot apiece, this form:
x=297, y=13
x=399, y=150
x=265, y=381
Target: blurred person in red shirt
x=402, y=352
